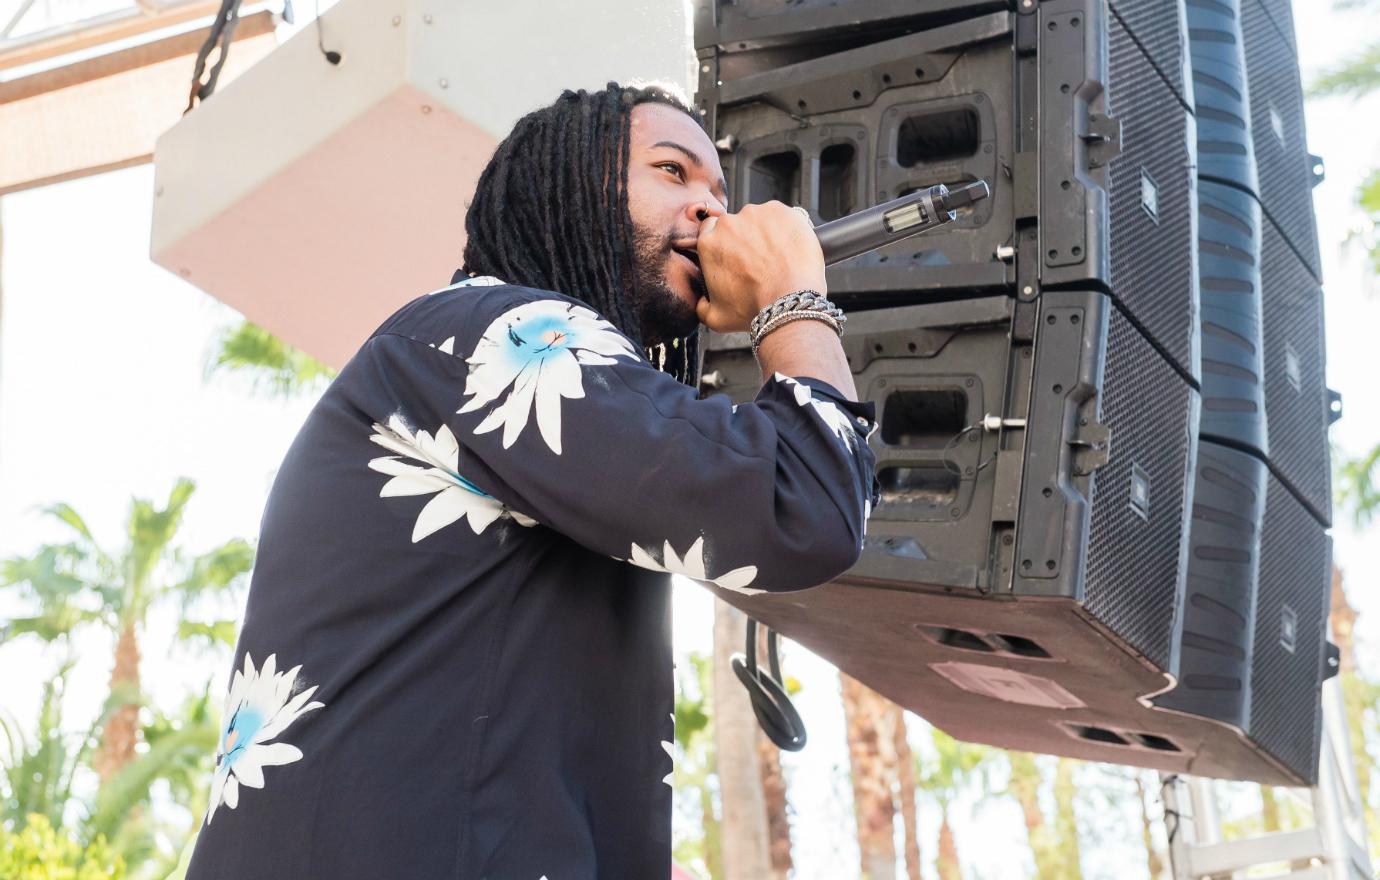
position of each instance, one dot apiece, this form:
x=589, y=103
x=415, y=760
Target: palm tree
x=871, y=720
x=774, y=784
x=905, y=793
x=743, y=827
x=695, y=764
x=274, y=365
x=78, y=583
x=39, y=771
x=954, y=769
x=39, y=775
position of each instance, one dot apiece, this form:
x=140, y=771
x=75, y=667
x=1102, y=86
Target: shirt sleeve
x=559, y=419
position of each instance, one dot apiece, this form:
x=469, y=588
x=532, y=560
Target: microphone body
x=898, y=219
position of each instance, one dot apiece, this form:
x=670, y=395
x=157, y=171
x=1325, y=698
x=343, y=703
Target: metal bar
x=94, y=31
x=1236, y=855
x=19, y=13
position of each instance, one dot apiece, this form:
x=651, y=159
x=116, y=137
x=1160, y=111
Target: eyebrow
x=695, y=160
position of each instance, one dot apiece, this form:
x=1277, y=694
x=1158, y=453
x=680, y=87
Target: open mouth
x=689, y=255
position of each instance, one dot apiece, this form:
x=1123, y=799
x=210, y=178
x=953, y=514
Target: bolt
x=955, y=513
x=427, y=18
x=397, y=20
x=968, y=382
x=1027, y=291
x=445, y=83
x=968, y=471
x=1006, y=540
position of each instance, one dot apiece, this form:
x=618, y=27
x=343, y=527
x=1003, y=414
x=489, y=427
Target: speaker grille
x=1152, y=204
x=1219, y=605
x=1135, y=563
x=1229, y=277
x=1296, y=403
x=1159, y=29
x=1219, y=93
x=1291, y=616
x=1281, y=151
x=1281, y=14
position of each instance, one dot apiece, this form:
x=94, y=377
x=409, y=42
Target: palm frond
x=1356, y=76
x=215, y=570
x=272, y=363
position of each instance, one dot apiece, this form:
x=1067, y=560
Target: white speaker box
x=317, y=198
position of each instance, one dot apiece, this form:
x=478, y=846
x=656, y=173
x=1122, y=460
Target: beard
x=663, y=316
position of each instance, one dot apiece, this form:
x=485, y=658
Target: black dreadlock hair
x=551, y=209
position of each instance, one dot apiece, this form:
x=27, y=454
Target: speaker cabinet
x=1087, y=146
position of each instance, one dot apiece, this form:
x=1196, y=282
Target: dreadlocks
x=551, y=210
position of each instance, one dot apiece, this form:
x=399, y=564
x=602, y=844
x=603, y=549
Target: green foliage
x=1357, y=76
x=68, y=585
x=695, y=780
x=1354, y=76
x=955, y=767
x=180, y=751
x=41, y=851
x=273, y=364
x=38, y=772
x=65, y=587
x=1356, y=490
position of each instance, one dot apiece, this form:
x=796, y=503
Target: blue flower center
x=540, y=337
x=243, y=725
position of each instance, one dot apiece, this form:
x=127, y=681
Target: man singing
x=456, y=656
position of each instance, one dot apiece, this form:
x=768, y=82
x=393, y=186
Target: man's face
x=674, y=180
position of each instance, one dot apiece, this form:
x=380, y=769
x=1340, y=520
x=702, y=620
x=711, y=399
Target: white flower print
x=476, y=281
x=671, y=751
x=692, y=566
x=538, y=349
x=840, y=422
x=259, y=707
x=440, y=457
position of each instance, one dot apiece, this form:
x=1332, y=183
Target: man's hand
x=751, y=258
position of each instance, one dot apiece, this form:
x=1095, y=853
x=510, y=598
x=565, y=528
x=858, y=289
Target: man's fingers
x=702, y=310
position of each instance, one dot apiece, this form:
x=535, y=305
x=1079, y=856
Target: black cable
x=770, y=703
x=952, y=466
x=1170, y=830
x=221, y=33
x=331, y=55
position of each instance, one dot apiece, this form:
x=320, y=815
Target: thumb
x=703, y=308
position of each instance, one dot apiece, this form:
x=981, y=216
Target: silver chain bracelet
x=797, y=301
x=799, y=314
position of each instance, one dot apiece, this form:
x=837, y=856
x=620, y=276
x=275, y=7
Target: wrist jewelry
x=799, y=300
x=788, y=317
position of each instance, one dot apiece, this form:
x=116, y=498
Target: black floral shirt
x=456, y=657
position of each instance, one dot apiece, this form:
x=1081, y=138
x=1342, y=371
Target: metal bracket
x=1092, y=447
x=1317, y=169
x=1332, y=660
x=1103, y=138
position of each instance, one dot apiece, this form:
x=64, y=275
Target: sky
x=103, y=394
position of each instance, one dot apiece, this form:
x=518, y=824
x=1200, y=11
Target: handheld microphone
x=895, y=220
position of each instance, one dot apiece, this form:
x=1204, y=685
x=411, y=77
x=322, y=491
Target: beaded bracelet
x=787, y=317
x=799, y=300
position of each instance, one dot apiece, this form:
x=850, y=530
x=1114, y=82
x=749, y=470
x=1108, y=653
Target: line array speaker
x=1058, y=563
x=1036, y=103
